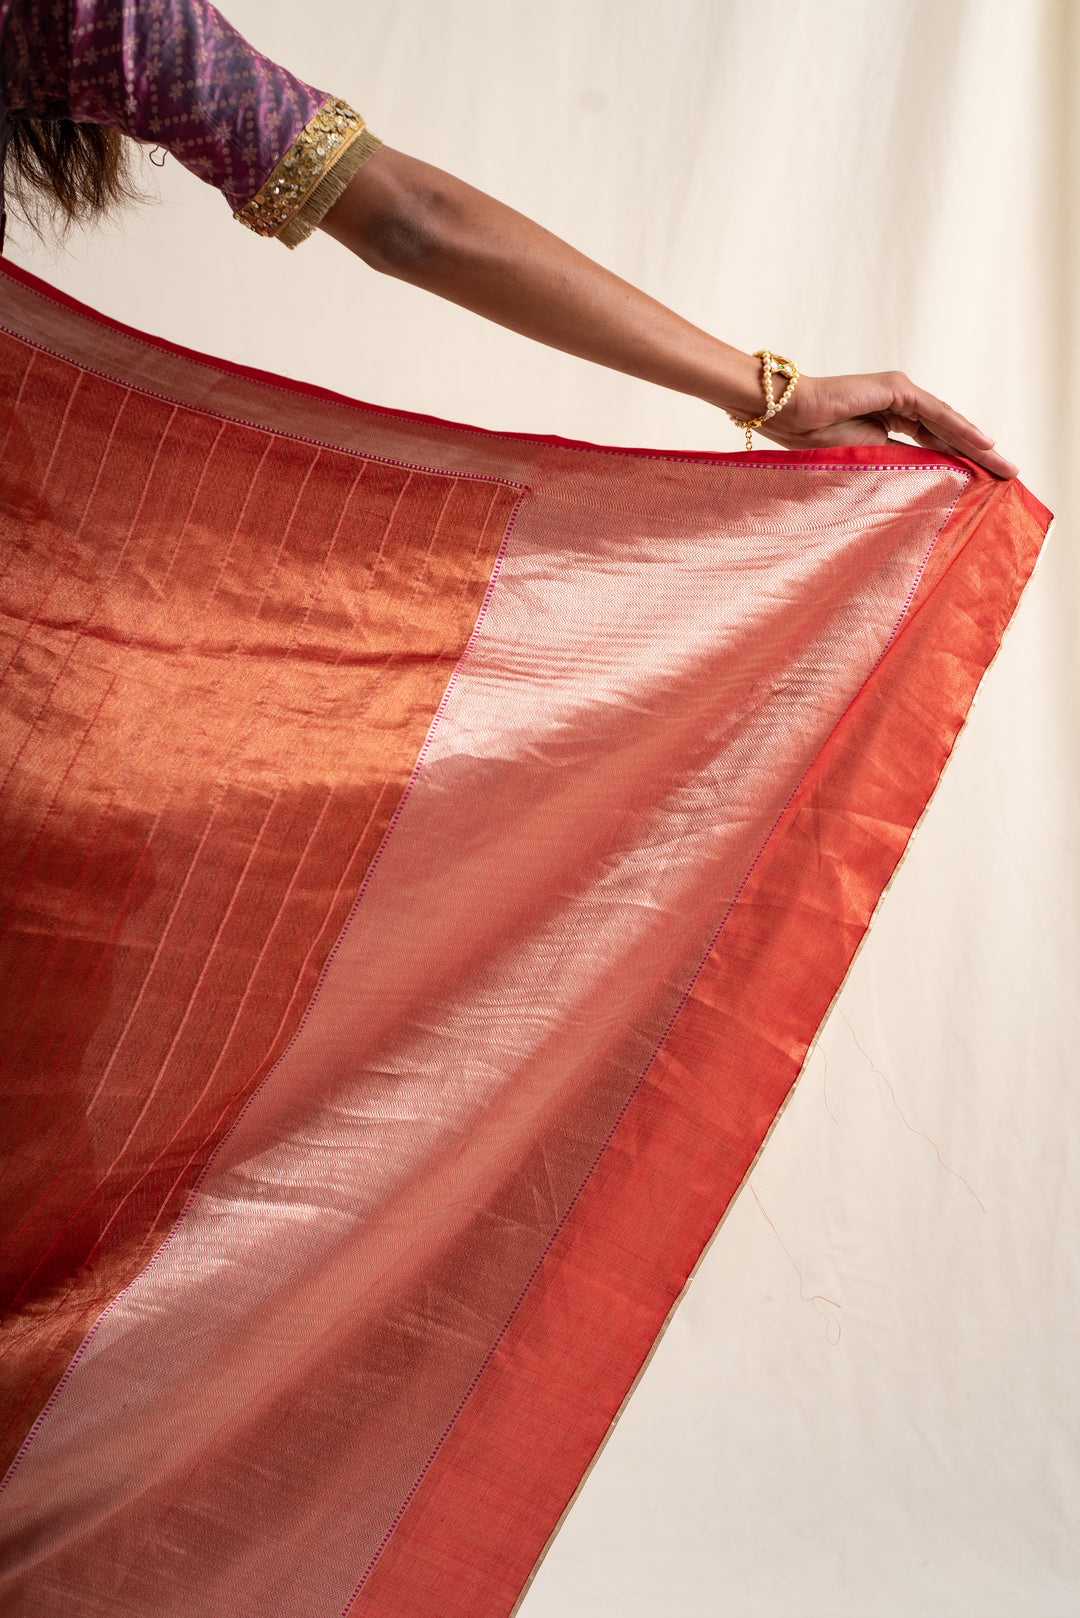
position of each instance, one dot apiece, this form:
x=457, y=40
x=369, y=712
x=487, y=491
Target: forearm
x=414, y=222
x=423, y=226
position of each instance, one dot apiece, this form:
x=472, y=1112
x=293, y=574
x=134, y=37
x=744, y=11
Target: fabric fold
x=433, y=854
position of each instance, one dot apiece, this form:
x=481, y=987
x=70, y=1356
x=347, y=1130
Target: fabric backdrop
x=866, y=1402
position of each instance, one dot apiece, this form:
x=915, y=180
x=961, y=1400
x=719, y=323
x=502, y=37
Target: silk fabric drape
x=603, y=758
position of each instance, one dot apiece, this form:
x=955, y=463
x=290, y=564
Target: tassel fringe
x=317, y=205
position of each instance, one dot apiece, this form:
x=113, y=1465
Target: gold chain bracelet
x=769, y=363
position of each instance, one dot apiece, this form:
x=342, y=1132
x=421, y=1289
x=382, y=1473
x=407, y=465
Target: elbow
x=407, y=237
x=402, y=217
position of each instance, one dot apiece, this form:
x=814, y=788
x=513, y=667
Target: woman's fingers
x=866, y=409
x=920, y=433
x=937, y=425
x=942, y=419
x=928, y=439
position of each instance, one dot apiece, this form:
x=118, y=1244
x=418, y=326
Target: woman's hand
x=828, y=410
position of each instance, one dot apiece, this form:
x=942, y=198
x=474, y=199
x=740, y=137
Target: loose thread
x=909, y=1126
x=812, y=1298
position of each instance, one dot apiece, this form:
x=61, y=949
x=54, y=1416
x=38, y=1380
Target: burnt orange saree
x=428, y=857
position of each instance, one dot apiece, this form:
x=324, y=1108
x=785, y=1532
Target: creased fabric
x=431, y=854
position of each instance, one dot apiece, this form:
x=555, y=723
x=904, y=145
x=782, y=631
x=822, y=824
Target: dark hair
x=60, y=173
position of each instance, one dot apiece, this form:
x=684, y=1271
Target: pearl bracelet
x=769, y=363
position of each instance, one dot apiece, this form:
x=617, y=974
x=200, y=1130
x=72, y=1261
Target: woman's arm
x=412, y=221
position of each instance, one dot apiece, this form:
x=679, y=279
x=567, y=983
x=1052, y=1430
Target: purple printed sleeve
x=172, y=73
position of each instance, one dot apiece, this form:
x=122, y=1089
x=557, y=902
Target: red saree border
x=492, y=1496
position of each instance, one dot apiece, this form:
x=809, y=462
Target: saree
x=429, y=855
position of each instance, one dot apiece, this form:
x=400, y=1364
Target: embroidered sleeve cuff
x=311, y=176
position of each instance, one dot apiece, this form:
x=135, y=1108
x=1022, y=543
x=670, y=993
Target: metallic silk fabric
x=622, y=748
x=223, y=648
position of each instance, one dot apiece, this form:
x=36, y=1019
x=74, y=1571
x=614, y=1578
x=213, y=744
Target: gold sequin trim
x=307, y=168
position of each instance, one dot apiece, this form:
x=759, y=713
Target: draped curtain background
x=867, y=1401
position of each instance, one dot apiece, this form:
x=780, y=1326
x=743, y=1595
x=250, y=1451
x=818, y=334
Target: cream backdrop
x=867, y=1403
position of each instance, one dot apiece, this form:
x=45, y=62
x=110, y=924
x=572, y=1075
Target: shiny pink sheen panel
x=668, y=646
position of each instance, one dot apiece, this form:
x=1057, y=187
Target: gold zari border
x=311, y=176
